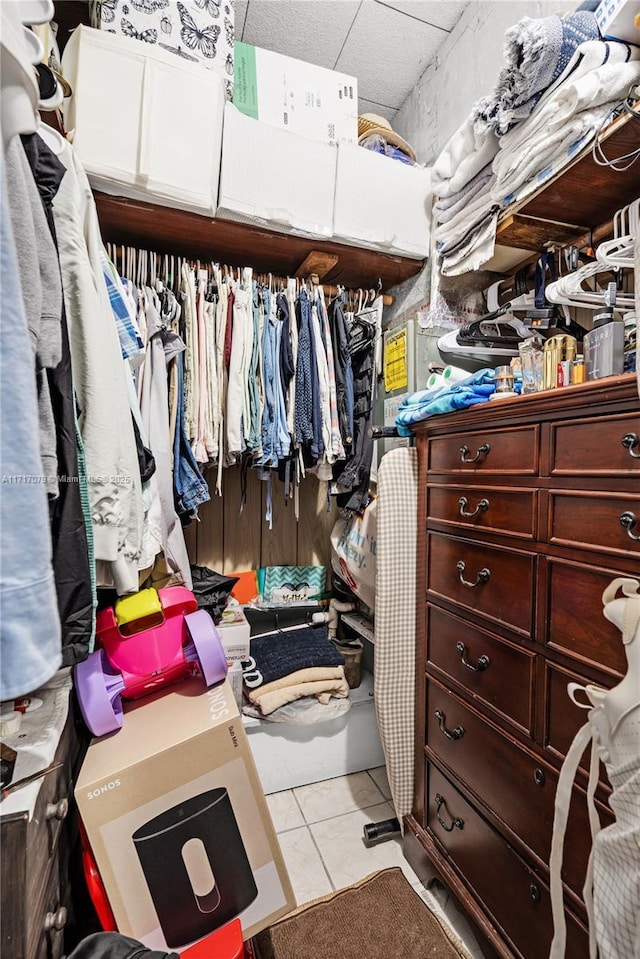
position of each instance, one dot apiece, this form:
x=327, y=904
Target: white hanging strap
x=561, y=814
x=595, y=824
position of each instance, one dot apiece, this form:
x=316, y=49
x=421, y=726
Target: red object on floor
x=224, y=943
x=95, y=884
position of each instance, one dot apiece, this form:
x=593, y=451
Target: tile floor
x=320, y=831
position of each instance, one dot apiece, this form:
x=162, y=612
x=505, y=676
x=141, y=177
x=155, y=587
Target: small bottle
x=578, y=370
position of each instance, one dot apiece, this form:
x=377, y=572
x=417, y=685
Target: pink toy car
x=169, y=639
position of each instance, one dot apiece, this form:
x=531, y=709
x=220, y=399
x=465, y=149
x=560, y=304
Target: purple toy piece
x=205, y=647
x=99, y=689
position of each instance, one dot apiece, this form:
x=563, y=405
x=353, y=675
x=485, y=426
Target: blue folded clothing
x=280, y=654
x=476, y=388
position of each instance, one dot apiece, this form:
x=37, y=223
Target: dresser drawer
x=573, y=611
x=513, y=895
x=605, y=522
x=48, y=919
x=490, y=669
x=510, y=452
x=514, y=784
x=494, y=509
x=562, y=718
x=596, y=446
x=498, y=583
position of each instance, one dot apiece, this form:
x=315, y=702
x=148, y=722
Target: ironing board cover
x=395, y=628
x=612, y=885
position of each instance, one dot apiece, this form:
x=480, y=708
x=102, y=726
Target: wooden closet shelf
x=165, y=230
x=583, y=186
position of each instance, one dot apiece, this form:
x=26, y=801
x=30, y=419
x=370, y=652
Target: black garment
x=352, y=477
x=146, y=460
x=287, y=368
x=341, y=338
x=113, y=945
x=68, y=532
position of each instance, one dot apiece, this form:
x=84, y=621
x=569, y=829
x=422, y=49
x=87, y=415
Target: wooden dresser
x=527, y=509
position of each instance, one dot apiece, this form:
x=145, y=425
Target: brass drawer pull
x=481, y=663
x=481, y=452
x=456, y=823
x=55, y=920
x=630, y=441
x=629, y=520
x=483, y=575
x=457, y=733
x=57, y=810
x=463, y=502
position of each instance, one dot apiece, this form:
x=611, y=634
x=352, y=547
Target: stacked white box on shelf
x=275, y=179
x=382, y=203
x=293, y=95
x=617, y=20
x=146, y=124
x=200, y=32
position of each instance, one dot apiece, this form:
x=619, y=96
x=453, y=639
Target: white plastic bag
x=353, y=552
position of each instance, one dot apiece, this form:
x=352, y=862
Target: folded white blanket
x=589, y=56
x=465, y=155
x=478, y=249
x=447, y=207
x=449, y=234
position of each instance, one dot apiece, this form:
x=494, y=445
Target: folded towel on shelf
x=564, y=125
x=268, y=701
x=279, y=654
x=476, y=388
x=476, y=249
x=465, y=155
x=452, y=234
x=315, y=674
x=589, y=56
x=536, y=53
x=446, y=208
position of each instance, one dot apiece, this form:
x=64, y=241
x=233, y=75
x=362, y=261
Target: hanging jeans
x=190, y=487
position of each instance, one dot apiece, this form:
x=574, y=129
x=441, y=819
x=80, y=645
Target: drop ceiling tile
x=439, y=13
x=309, y=30
x=388, y=52
x=370, y=106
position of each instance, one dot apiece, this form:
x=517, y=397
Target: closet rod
x=330, y=290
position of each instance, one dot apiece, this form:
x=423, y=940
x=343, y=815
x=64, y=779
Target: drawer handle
x=630, y=441
x=57, y=810
x=55, y=920
x=534, y=892
x=481, y=452
x=463, y=502
x=481, y=663
x=457, y=733
x=629, y=520
x=456, y=823
x=539, y=777
x=483, y=575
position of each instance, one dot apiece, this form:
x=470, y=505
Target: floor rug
x=380, y=917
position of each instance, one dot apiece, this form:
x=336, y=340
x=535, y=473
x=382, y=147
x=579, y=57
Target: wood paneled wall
x=229, y=540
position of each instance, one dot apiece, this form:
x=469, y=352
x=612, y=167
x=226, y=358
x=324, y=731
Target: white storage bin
x=275, y=179
x=146, y=124
x=382, y=203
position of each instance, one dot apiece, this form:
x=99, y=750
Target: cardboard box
x=235, y=633
x=178, y=823
x=139, y=123
x=292, y=95
x=382, y=203
x=260, y=181
x=615, y=18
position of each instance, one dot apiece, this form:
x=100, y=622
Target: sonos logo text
x=105, y=788
x=217, y=704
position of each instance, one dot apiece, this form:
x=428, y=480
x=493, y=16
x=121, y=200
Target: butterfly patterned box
x=141, y=116
x=201, y=31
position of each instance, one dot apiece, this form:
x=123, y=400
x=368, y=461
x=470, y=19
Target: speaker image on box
x=196, y=866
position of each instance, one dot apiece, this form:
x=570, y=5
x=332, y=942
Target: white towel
x=448, y=234
x=446, y=208
x=475, y=252
x=466, y=154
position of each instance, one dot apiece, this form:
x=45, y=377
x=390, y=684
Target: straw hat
x=370, y=124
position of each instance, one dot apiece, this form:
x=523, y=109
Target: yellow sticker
x=396, y=374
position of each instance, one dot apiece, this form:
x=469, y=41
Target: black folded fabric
x=112, y=945
x=279, y=654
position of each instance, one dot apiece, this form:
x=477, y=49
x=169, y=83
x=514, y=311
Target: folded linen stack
x=477, y=388
x=289, y=664
x=559, y=84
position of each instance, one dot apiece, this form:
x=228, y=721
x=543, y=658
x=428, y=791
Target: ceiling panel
x=439, y=13
x=385, y=55
x=310, y=30
x=370, y=106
